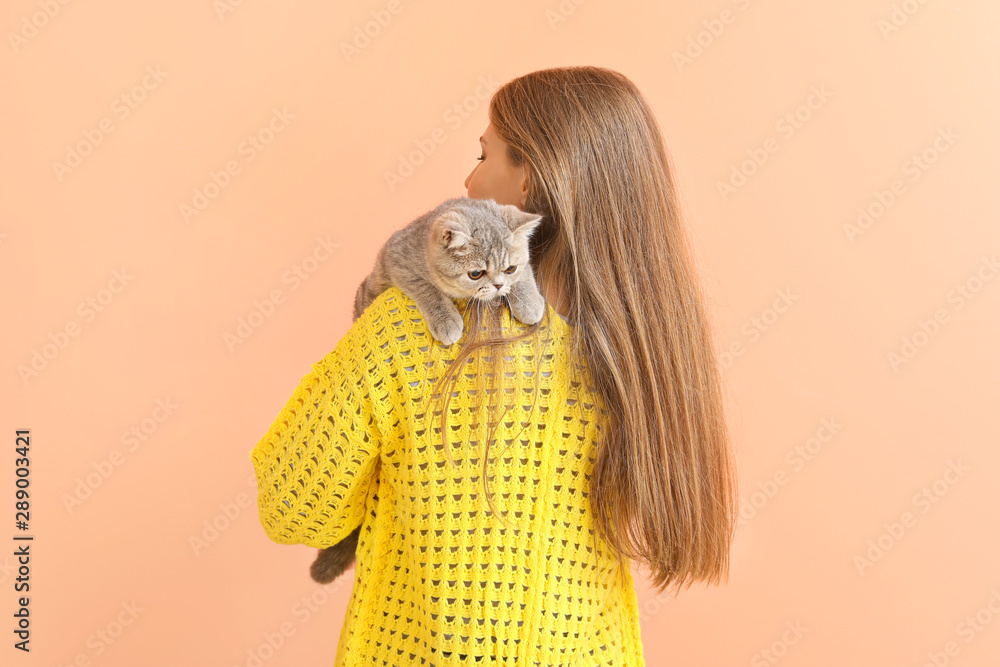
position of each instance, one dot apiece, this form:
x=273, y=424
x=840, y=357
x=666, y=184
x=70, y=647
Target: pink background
x=836, y=442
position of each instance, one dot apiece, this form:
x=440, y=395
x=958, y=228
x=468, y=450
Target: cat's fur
x=430, y=260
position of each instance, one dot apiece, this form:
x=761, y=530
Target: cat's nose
x=497, y=286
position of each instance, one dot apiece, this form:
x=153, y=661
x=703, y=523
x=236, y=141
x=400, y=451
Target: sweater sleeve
x=319, y=462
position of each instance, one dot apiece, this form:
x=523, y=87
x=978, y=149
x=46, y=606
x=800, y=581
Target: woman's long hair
x=663, y=489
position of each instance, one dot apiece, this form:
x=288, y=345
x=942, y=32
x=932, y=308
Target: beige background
x=861, y=361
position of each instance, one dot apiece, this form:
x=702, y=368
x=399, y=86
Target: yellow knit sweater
x=440, y=579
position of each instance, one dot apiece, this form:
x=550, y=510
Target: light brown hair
x=663, y=489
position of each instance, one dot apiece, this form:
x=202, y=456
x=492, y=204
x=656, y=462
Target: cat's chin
x=489, y=300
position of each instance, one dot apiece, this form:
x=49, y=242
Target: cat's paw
x=447, y=329
x=528, y=311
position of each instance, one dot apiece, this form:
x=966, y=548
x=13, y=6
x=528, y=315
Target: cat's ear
x=451, y=231
x=521, y=223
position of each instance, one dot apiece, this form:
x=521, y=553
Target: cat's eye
x=480, y=273
x=510, y=269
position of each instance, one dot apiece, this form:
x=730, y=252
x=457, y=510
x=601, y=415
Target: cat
x=464, y=247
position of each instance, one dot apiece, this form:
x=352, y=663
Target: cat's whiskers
x=509, y=304
x=507, y=298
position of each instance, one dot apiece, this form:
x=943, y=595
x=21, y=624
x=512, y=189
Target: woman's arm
x=318, y=463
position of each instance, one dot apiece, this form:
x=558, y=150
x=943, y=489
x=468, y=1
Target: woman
x=612, y=441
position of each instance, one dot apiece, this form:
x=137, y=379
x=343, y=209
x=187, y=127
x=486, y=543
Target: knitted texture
x=440, y=579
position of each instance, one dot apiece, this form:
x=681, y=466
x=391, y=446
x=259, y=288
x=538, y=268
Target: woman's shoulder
x=388, y=300
x=392, y=323
x=389, y=306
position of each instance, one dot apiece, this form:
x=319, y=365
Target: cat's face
x=481, y=248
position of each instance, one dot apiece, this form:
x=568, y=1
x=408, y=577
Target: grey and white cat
x=464, y=247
